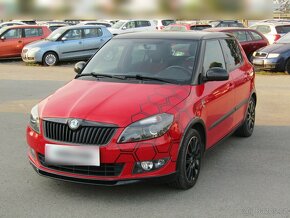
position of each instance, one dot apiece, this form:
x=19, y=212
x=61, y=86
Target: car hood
x=111, y=102
x=40, y=44
x=114, y=31
x=277, y=48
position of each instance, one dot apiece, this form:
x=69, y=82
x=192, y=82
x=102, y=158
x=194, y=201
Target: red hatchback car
x=14, y=38
x=145, y=107
x=251, y=40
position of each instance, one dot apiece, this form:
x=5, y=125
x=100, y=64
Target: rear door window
x=256, y=36
x=33, y=32
x=142, y=23
x=242, y=36
x=213, y=55
x=92, y=33
x=232, y=53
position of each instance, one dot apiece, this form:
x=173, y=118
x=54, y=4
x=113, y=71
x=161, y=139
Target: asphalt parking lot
x=241, y=177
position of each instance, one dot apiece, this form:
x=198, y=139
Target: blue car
x=67, y=43
x=275, y=57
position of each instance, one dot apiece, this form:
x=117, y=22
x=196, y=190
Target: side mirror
x=63, y=39
x=79, y=67
x=216, y=74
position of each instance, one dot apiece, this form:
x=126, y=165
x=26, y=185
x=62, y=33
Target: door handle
x=19, y=41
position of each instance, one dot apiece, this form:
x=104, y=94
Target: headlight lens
x=273, y=55
x=34, y=119
x=149, y=128
x=254, y=54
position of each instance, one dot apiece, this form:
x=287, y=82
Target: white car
x=106, y=24
x=272, y=31
x=161, y=23
x=11, y=23
x=128, y=26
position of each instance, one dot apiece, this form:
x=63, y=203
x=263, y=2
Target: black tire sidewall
x=49, y=53
x=181, y=164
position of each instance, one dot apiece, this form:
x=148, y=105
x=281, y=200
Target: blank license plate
x=72, y=155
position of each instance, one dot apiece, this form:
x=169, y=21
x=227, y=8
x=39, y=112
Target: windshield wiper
x=99, y=75
x=140, y=77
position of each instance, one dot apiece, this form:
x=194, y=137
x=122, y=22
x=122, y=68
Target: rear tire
x=247, y=127
x=189, y=161
x=50, y=59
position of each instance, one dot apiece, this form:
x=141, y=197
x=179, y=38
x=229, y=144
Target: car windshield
x=118, y=25
x=284, y=39
x=56, y=34
x=165, y=59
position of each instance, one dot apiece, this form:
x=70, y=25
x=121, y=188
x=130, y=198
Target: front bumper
x=273, y=64
x=160, y=179
x=29, y=57
x=113, y=153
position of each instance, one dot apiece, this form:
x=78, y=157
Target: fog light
x=32, y=152
x=147, y=166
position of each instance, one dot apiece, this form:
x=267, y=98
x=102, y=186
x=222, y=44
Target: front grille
x=85, y=134
x=102, y=170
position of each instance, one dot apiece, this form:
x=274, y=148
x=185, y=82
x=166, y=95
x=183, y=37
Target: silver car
x=66, y=43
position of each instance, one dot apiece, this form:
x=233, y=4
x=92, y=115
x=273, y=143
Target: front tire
x=247, y=127
x=50, y=59
x=189, y=161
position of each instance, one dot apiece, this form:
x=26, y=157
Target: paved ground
x=239, y=178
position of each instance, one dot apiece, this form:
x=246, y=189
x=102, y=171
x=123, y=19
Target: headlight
x=273, y=55
x=149, y=128
x=254, y=54
x=34, y=119
x=33, y=50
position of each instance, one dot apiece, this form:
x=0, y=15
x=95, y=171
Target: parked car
x=111, y=21
x=14, y=38
x=145, y=107
x=275, y=57
x=106, y=24
x=28, y=22
x=272, y=31
x=67, y=43
x=186, y=27
x=226, y=23
x=54, y=27
x=4, y=24
x=162, y=23
x=127, y=26
x=251, y=40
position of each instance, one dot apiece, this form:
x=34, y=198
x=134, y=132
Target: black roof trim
x=195, y=35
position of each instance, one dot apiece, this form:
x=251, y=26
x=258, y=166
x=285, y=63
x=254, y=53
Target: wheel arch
x=50, y=51
x=198, y=124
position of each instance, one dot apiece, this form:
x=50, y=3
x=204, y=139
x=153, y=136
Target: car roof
x=24, y=26
x=195, y=35
x=272, y=24
x=220, y=29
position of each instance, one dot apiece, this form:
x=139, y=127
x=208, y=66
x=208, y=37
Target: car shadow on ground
x=234, y=157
